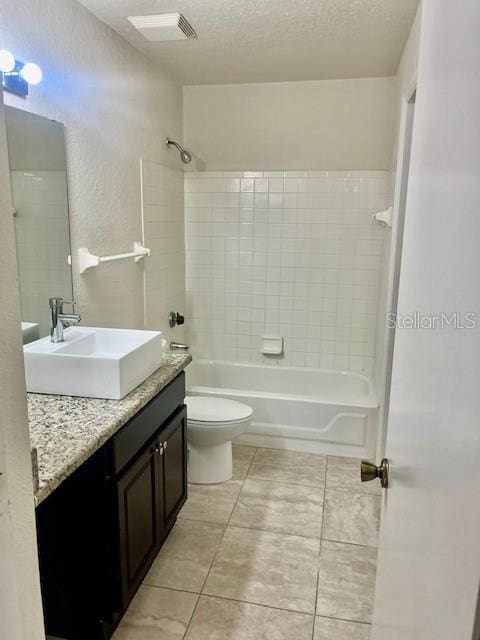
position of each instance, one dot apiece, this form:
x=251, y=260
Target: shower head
x=185, y=156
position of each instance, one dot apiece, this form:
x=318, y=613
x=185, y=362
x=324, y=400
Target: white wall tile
x=165, y=193
x=43, y=242
x=290, y=252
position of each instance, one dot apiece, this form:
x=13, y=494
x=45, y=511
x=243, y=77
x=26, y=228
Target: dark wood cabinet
x=140, y=518
x=150, y=494
x=174, y=441
x=100, y=531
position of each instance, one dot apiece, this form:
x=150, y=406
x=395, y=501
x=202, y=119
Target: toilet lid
x=210, y=409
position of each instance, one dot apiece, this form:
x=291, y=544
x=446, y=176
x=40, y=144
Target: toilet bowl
x=212, y=424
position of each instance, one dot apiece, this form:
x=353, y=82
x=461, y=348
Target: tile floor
x=284, y=551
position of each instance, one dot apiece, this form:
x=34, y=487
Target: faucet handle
x=69, y=319
x=58, y=302
x=55, y=302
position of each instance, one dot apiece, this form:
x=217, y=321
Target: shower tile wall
x=164, y=235
x=43, y=241
x=293, y=254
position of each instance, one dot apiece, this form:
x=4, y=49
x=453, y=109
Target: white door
x=429, y=555
x=9, y=613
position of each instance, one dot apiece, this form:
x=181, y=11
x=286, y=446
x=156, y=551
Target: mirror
x=36, y=150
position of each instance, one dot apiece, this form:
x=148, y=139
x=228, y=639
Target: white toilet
x=212, y=424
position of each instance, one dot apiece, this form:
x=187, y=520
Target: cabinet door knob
x=165, y=444
x=159, y=451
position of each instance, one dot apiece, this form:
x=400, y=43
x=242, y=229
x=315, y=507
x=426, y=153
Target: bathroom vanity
x=112, y=480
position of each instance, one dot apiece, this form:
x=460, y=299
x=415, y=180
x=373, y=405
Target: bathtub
x=300, y=409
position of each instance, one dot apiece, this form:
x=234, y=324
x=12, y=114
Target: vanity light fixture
x=31, y=73
x=7, y=61
x=17, y=76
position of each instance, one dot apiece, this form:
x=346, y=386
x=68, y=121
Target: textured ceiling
x=272, y=40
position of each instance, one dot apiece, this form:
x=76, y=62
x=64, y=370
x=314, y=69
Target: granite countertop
x=66, y=431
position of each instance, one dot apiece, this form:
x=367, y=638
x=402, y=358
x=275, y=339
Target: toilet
x=212, y=424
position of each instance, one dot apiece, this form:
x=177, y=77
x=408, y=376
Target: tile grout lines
x=322, y=540
x=320, y=548
x=219, y=545
x=225, y=526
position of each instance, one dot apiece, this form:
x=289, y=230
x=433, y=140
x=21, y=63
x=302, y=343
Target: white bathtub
x=296, y=408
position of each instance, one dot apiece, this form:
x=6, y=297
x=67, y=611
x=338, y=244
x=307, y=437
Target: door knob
x=370, y=471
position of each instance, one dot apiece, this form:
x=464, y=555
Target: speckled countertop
x=66, y=430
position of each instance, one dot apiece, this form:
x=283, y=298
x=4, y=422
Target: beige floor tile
x=344, y=474
x=157, y=614
x=186, y=556
x=211, y=502
x=242, y=459
x=346, y=581
x=289, y=466
x=216, y=619
x=265, y=568
x=351, y=518
x=329, y=629
x=276, y=506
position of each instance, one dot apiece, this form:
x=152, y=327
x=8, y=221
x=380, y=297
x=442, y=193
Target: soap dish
x=272, y=345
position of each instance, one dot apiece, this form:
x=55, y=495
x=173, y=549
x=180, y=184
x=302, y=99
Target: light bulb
x=7, y=61
x=31, y=73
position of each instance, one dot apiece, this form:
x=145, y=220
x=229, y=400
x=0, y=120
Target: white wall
x=335, y=125
x=116, y=107
x=406, y=76
x=20, y=592
x=291, y=254
x=406, y=81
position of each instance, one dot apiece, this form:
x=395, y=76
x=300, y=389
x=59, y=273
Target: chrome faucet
x=60, y=320
x=179, y=346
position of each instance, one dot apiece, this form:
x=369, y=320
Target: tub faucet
x=60, y=320
x=179, y=346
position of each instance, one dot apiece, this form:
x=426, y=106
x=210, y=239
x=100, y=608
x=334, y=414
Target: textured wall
x=341, y=125
x=116, y=107
x=15, y=441
x=292, y=254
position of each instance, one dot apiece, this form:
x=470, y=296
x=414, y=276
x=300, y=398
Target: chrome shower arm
x=168, y=142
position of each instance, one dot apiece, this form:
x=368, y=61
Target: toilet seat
x=211, y=411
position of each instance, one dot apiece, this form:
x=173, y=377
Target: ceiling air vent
x=167, y=26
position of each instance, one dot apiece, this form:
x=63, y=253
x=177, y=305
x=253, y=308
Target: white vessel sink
x=93, y=363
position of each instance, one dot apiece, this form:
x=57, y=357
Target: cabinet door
x=174, y=442
x=141, y=509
